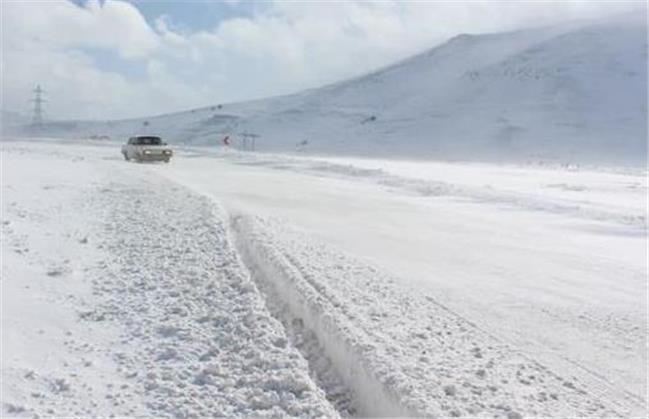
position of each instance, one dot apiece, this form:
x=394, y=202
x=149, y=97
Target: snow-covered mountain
x=568, y=93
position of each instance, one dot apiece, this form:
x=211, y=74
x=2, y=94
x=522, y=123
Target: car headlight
x=146, y=152
x=167, y=152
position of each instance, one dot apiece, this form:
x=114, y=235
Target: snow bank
x=123, y=296
x=205, y=343
x=286, y=286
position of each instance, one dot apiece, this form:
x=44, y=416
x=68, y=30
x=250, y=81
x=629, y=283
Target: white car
x=146, y=148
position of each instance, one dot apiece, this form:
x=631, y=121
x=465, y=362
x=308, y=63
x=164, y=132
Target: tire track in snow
x=401, y=354
x=337, y=362
x=198, y=340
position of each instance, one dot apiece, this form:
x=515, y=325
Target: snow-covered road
x=401, y=288
x=550, y=259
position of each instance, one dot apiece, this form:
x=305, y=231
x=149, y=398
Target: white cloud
x=62, y=25
x=281, y=48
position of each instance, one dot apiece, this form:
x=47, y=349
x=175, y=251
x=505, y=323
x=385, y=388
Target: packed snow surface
x=243, y=284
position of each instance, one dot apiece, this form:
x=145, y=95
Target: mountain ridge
x=558, y=93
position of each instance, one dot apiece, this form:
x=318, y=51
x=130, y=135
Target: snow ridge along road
x=298, y=303
x=567, y=287
x=401, y=353
x=205, y=343
x=173, y=325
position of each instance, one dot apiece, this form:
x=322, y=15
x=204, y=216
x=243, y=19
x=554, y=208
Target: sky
x=109, y=59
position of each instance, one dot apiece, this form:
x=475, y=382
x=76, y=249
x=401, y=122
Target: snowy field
x=238, y=284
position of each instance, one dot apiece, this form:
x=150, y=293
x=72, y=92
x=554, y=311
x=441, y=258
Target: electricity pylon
x=38, y=100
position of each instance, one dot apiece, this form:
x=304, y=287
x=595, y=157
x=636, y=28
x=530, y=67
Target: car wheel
x=126, y=157
x=166, y=160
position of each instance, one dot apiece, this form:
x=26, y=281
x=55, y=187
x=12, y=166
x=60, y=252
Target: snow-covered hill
x=567, y=93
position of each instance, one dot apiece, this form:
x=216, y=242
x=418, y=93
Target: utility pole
x=249, y=136
x=37, y=119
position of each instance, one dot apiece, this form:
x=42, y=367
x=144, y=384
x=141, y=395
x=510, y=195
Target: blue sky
x=192, y=15
x=181, y=16
x=103, y=59
x=195, y=15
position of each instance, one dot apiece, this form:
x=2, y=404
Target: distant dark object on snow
x=369, y=119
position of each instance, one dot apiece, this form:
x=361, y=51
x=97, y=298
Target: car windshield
x=148, y=141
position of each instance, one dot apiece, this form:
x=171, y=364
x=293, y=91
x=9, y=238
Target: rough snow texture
x=173, y=315
x=574, y=92
x=206, y=344
x=57, y=349
x=124, y=293
x=564, y=286
x=401, y=353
